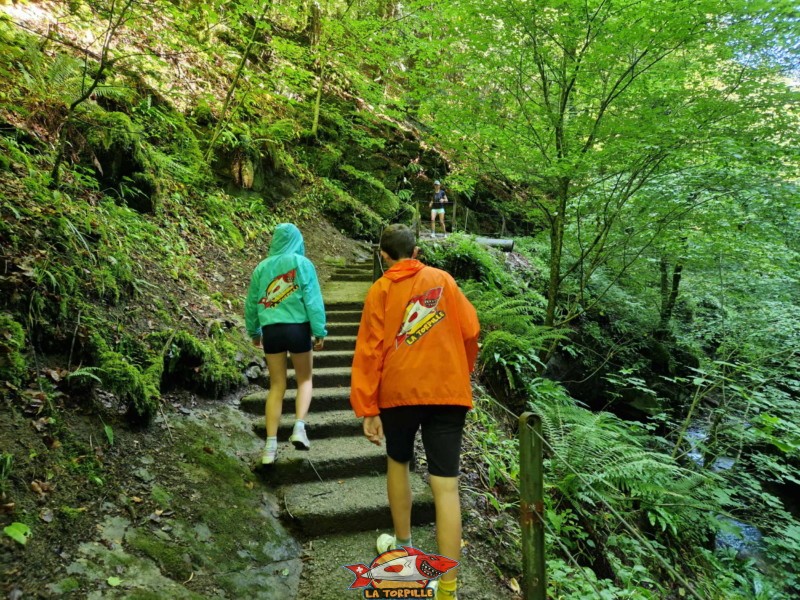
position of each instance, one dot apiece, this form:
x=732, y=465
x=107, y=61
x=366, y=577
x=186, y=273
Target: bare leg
x=433, y=223
x=303, y=363
x=448, y=519
x=398, y=488
x=441, y=218
x=276, y=363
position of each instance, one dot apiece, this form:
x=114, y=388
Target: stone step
x=352, y=504
x=339, y=273
x=345, y=295
x=333, y=358
x=343, y=305
x=340, y=342
x=328, y=460
x=343, y=316
x=340, y=328
x=365, y=276
x=326, y=377
x=335, y=376
x=355, y=268
x=323, y=399
x=319, y=425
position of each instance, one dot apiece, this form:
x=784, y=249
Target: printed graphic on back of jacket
x=420, y=316
x=279, y=289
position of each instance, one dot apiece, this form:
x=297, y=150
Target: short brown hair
x=398, y=241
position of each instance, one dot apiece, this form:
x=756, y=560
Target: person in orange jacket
x=416, y=347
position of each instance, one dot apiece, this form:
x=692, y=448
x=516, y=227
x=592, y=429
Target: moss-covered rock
x=136, y=386
x=209, y=366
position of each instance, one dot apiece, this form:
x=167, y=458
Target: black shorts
x=442, y=428
x=286, y=337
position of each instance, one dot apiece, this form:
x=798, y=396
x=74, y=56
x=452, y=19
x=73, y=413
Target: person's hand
x=319, y=343
x=257, y=342
x=373, y=429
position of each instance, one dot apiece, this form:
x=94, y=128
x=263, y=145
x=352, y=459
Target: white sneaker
x=299, y=437
x=385, y=543
x=268, y=458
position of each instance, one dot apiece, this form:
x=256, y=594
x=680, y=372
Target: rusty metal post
x=377, y=270
x=419, y=217
x=531, y=504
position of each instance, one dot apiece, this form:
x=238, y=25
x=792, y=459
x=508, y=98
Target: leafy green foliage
x=13, y=364
x=19, y=532
x=211, y=366
x=137, y=386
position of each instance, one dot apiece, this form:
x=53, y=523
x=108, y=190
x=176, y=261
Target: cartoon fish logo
x=415, y=567
x=420, y=316
x=279, y=289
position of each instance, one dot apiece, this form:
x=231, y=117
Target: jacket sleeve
x=470, y=328
x=312, y=298
x=368, y=360
x=251, y=321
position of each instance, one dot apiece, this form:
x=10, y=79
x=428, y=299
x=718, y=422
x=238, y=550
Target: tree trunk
x=669, y=294
x=318, y=100
x=222, y=118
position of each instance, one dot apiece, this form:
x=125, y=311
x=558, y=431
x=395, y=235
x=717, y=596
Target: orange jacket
x=417, y=342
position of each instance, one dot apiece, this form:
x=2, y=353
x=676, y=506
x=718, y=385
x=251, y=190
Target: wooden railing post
x=531, y=504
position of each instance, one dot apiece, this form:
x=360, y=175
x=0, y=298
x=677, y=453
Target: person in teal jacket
x=284, y=312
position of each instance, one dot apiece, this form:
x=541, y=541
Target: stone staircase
x=339, y=485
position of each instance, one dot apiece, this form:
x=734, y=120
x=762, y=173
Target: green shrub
x=370, y=191
x=13, y=365
x=210, y=366
x=345, y=211
x=460, y=256
x=136, y=387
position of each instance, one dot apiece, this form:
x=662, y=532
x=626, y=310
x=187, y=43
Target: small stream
x=745, y=538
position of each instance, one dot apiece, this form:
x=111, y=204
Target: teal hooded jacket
x=284, y=287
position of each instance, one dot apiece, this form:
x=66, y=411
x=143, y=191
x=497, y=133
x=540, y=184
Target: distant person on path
x=437, y=207
x=416, y=346
x=284, y=312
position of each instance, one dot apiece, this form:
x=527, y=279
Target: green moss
x=370, y=191
x=168, y=556
x=210, y=366
x=464, y=259
x=346, y=212
x=65, y=586
x=13, y=365
x=137, y=388
x=162, y=497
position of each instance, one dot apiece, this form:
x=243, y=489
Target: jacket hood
x=287, y=239
x=404, y=269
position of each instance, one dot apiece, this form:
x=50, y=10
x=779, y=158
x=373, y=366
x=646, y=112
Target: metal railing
x=531, y=504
